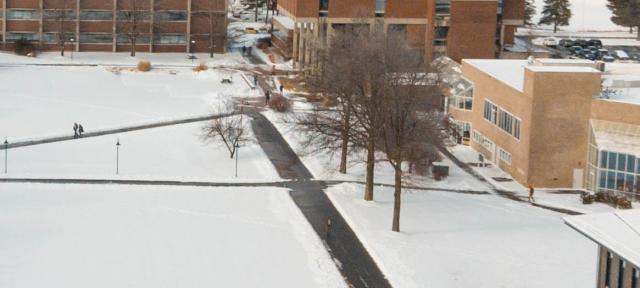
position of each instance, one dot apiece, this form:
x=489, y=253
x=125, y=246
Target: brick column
x=152, y=21
x=189, y=26
x=115, y=25
x=41, y=21
x=4, y=23
x=77, y=26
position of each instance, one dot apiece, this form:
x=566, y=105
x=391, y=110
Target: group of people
x=78, y=130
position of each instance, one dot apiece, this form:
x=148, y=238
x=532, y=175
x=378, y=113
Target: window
x=141, y=39
x=636, y=278
x=22, y=14
x=130, y=15
x=380, y=6
x=13, y=36
x=505, y=121
x=505, y=156
x=490, y=112
x=607, y=279
x=443, y=6
x=622, y=265
x=622, y=162
x=440, y=32
x=52, y=14
x=96, y=38
x=603, y=159
x=53, y=37
x=96, y=15
x=170, y=39
x=516, y=128
x=164, y=16
x=477, y=136
x=631, y=163
x=612, y=160
x=603, y=179
x=324, y=5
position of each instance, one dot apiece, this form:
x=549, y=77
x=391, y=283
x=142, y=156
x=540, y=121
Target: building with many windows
x=112, y=25
x=554, y=123
x=618, y=238
x=457, y=28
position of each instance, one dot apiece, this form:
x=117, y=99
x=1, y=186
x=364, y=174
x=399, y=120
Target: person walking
x=80, y=130
x=255, y=80
x=244, y=50
x=267, y=97
x=531, y=191
x=328, y=227
x=281, y=90
x=75, y=130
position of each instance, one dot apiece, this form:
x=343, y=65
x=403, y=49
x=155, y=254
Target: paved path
x=353, y=260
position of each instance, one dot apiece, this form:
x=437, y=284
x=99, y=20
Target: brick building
x=109, y=25
x=525, y=119
x=458, y=28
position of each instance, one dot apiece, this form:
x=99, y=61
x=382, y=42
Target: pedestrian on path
x=328, y=227
x=244, y=50
x=531, y=191
x=281, y=90
x=80, y=130
x=267, y=97
x=255, y=80
x=75, y=130
x=249, y=50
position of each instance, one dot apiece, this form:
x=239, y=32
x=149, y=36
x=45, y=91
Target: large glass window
x=380, y=6
x=490, y=112
x=324, y=5
x=170, y=39
x=443, y=6
x=516, y=128
x=141, y=39
x=96, y=38
x=52, y=14
x=612, y=160
x=14, y=36
x=15, y=14
x=131, y=15
x=164, y=16
x=603, y=158
x=96, y=15
x=506, y=122
x=631, y=163
x=622, y=162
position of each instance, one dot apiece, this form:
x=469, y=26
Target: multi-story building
x=457, y=28
x=618, y=242
x=110, y=25
x=554, y=123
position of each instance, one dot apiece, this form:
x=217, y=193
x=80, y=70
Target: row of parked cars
x=587, y=49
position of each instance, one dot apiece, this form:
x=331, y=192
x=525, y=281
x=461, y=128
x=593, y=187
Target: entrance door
x=578, y=175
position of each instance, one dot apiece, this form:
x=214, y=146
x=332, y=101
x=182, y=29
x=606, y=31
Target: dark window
x=603, y=179
x=631, y=163
x=53, y=37
x=324, y=5
x=622, y=162
x=611, y=180
x=96, y=38
x=443, y=6
x=59, y=14
x=603, y=159
x=88, y=15
x=621, y=273
x=636, y=278
x=13, y=36
x=141, y=39
x=607, y=277
x=170, y=39
x=612, y=160
x=131, y=15
x=22, y=14
x=171, y=16
x=440, y=32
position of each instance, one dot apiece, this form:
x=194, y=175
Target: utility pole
x=118, y=156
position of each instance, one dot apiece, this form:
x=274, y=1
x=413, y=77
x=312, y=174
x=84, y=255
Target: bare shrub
x=200, y=67
x=279, y=103
x=144, y=66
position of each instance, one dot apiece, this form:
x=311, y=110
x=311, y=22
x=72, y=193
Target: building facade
x=457, y=28
x=550, y=122
x=113, y=25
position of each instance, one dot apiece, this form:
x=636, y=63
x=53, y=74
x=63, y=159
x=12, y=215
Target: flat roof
x=511, y=72
x=551, y=61
x=624, y=79
x=618, y=231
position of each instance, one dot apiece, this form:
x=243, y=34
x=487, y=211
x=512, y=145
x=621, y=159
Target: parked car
x=550, y=42
x=250, y=30
x=566, y=43
x=590, y=56
x=622, y=55
x=575, y=50
x=263, y=30
x=608, y=58
x=581, y=42
x=595, y=42
x=603, y=52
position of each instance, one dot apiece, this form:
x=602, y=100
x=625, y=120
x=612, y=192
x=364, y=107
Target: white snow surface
x=587, y=15
x=167, y=153
x=45, y=101
x=456, y=240
x=121, y=236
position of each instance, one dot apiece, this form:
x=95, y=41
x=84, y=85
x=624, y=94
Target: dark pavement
x=353, y=260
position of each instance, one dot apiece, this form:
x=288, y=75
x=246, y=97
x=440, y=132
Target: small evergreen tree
x=625, y=13
x=529, y=12
x=556, y=13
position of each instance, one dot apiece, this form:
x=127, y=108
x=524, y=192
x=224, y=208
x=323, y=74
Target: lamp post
x=118, y=156
x=193, y=44
x=237, y=156
x=6, y=153
x=72, y=43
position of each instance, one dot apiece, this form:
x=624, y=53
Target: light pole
x=118, y=156
x=237, y=156
x=72, y=43
x=6, y=153
x=193, y=44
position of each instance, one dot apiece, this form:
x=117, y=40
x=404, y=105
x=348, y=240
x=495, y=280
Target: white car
x=550, y=42
x=622, y=55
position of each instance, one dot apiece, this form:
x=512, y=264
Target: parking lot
x=559, y=51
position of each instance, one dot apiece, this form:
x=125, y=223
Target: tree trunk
x=133, y=47
x=638, y=33
x=555, y=28
x=396, y=199
x=346, y=126
x=371, y=160
x=630, y=29
x=62, y=50
x=256, y=20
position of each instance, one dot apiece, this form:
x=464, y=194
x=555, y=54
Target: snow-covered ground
x=324, y=165
x=44, y=101
x=457, y=240
x=124, y=58
x=123, y=236
x=167, y=153
x=587, y=15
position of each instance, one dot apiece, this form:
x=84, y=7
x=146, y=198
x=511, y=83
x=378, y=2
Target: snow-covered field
x=458, y=240
x=121, y=236
x=166, y=153
x=42, y=101
x=587, y=15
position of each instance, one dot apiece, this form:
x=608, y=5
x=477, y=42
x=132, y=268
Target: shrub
x=23, y=47
x=623, y=202
x=599, y=197
x=330, y=101
x=588, y=198
x=144, y=66
x=279, y=103
x=200, y=67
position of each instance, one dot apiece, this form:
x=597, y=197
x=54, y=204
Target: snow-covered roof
x=624, y=80
x=285, y=21
x=617, y=137
x=553, y=61
x=618, y=231
x=511, y=72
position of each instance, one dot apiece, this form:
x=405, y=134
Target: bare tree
x=214, y=12
x=230, y=130
x=133, y=21
x=60, y=16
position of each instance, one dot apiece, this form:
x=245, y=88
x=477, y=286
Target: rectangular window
x=490, y=112
x=14, y=14
x=380, y=6
x=622, y=265
x=141, y=39
x=611, y=180
x=622, y=162
x=53, y=37
x=477, y=136
x=505, y=121
x=631, y=163
x=127, y=15
x=14, y=36
x=324, y=5
x=516, y=128
x=54, y=14
x=176, y=39
x=603, y=179
x=628, y=182
x=607, y=279
x=505, y=156
x=612, y=160
x=620, y=182
x=96, y=38
x=166, y=16
x=443, y=6
x=603, y=159
x=636, y=278
x=96, y=15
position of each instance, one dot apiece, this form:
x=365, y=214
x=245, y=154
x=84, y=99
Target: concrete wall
x=615, y=111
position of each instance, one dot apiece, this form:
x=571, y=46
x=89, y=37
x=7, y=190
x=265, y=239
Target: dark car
x=608, y=58
x=590, y=56
x=595, y=42
x=575, y=50
x=566, y=43
x=581, y=43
